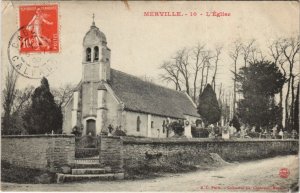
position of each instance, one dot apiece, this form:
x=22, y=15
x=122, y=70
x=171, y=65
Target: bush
x=119, y=132
x=177, y=128
x=16, y=174
x=77, y=131
x=253, y=134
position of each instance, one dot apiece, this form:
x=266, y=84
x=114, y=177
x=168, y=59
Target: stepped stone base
x=89, y=169
x=83, y=171
x=61, y=178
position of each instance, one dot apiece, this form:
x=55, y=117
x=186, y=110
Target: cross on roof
x=93, y=19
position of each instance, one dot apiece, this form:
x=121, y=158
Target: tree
x=62, y=94
x=44, y=115
x=200, y=58
x=296, y=112
x=9, y=96
x=15, y=103
x=208, y=106
x=234, y=55
x=187, y=67
x=183, y=64
x=277, y=56
x=290, y=49
x=171, y=74
x=259, y=82
x=217, y=58
x=21, y=104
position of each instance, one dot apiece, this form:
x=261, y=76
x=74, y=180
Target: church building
x=106, y=97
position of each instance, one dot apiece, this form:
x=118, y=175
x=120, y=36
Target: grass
x=15, y=174
x=152, y=171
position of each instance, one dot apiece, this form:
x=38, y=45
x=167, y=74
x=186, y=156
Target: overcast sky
x=140, y=44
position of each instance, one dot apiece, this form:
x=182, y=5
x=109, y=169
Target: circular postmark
x=284, y=173
x=33, y=65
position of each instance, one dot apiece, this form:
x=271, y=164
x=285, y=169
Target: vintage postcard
x=154, y=96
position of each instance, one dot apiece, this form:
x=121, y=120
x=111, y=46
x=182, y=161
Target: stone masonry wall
x=111, y=153
x=137, y=152
x=47, y=152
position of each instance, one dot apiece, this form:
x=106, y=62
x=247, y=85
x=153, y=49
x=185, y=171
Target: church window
x=88, y=54
x=152, y=124
x=96, y=53
x=138, y=123
x=164, y=126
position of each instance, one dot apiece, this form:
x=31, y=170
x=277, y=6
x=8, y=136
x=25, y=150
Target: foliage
x=253, y=134
x=258, y=83
x=77, y=131
x=18, y=108
x=261, y=78
x=177, y=127
x=62, y=94
x=119, y=132
x=236, y=123
x=44, y=115
x=208, y=106
x=217, y=131
x=16, y=174
x=9, y=95
x=189, y=68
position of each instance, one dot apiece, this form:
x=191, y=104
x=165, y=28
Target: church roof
x=94, y=36
x=141, y=96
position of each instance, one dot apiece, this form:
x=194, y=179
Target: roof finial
x=93, y=19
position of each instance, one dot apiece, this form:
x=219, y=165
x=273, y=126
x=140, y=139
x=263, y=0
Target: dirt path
x=260, y=175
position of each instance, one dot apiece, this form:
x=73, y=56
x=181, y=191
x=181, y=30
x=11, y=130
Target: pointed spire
x=93, y=24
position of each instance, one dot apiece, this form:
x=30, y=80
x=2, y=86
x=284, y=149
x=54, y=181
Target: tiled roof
x=141, y=96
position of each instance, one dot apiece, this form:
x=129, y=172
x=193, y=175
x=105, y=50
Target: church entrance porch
x=91, y=127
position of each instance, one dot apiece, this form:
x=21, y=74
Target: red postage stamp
x=39, y=28
x=284, y=172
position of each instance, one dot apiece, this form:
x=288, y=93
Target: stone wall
x=111, y=153
x=138, y=152
x=47, y=152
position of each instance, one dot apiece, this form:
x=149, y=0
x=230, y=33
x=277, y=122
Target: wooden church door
x=91, y=127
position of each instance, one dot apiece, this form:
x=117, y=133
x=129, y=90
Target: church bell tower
x=95, y=74
x=96, y=55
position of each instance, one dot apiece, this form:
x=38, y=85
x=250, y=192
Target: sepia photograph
x=150, y=96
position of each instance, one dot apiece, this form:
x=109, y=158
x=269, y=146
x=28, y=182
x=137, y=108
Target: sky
x=140, y=44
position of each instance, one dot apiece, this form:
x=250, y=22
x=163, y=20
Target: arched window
x=138, y=123
x=88, y=54
x=96, y=53
x=164, y=126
